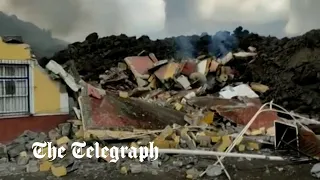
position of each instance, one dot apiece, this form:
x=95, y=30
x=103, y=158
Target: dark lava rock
x=290, y=66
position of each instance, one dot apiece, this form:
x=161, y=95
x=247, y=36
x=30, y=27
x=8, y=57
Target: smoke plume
x=304, y=16
x=62, y=17
x=74, y=19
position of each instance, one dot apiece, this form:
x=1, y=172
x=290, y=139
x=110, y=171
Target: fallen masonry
x=190, y=107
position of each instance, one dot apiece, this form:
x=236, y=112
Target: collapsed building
x=25, y=90
x=199, y=92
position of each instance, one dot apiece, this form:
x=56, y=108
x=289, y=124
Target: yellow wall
x=14, y=51
x=46, y=91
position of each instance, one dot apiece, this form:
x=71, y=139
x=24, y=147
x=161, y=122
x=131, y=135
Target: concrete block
x=65, y=129
x=123, y=170
x=241, y=147
x=33, y=166
x=253, y=146
x=54, y=135
x=225, y=143
x=123, y=94
x=215, y=139
x=178, y=106
x=58, y=170
x=62, y=140
x=204, y=141
x=166, y=132
x=23, y=158
x=208, y=118
x=135, y=168
x=45, y=166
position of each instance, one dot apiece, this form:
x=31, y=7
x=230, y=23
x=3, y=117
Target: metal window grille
x=14, y=89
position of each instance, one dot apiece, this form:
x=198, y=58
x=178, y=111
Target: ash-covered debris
x=202, y=98
x=289, y=66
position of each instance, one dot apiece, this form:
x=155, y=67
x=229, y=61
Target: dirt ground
x=238, y=170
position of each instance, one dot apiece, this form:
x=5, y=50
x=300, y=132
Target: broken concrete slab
x=203, y=66
x=115, y=74
x=139, y=65
x=198, y=78
x=214, y=65
x=189, y=68
x=95, y=92
x=238, y=111
x=167, y=72
x=184, y=82
x=157, y=65
x=68, y=79
x=227, y=58
x=122, y=116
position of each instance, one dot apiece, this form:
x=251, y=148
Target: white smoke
x=138, y=17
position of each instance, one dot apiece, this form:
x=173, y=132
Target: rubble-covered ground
x=241, y=169
x=178, y=94
x=289, y=66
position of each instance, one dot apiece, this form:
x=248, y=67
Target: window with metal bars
x=14, y=89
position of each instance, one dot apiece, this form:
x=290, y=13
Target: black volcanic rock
x=289, y=66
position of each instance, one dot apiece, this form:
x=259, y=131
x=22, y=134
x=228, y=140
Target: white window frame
x=30, y=65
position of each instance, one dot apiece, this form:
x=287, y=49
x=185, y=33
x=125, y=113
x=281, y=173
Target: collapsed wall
x=290, y=66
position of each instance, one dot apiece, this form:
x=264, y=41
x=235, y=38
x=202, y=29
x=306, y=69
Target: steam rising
x=60, y=16
x=74, y=19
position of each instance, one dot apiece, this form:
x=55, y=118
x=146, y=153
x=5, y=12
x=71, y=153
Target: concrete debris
x=45, y=166
x=33, y=166
x=244, y=54
x=15, y=149
x=68, y=79
x=315, y=171
x=65, y=129
x=54, y=135
x=124, y=170
x=252, y=49
x=23, y=158
x=224, y=60
x=192, y=173
x=190, y=104
x=58, y=171
x=213, y=170
x=184, y=82
x=177, y=163
x=259, y=87
x=135, y=168
x=238, y=91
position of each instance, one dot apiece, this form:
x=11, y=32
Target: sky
x=72, y=20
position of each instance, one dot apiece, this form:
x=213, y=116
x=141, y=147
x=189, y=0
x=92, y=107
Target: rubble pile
x=187, y=100
x=288, y=66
